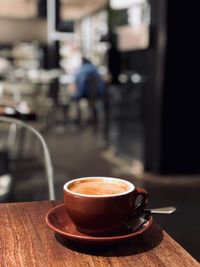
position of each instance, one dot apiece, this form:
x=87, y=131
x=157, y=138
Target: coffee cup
x=101, y=205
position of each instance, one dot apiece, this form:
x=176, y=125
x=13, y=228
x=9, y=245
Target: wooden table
x=26, y=240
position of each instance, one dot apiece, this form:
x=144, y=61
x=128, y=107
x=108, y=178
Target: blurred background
x=143, y=127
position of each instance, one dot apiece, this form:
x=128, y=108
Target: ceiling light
x=119, y=4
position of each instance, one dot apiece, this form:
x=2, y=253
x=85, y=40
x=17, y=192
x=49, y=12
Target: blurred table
x=12, y=110
x=26, y=240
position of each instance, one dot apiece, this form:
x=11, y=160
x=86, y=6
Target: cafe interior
x=146, y=130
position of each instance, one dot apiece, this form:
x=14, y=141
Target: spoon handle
x=165, y=210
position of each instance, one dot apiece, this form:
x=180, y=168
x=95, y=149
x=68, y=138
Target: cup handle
x=145, y=199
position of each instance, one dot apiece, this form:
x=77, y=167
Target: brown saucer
x=58, y=220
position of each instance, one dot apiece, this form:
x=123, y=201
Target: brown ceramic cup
x=102, y=211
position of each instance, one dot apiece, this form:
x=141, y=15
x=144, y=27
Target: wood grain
x=26, y=240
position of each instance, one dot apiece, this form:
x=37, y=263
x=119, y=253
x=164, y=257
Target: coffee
x=100, y=205
x=98, y=187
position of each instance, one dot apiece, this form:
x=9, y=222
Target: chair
x=57, y=108
x=47, y=158
x=5, y=177
x=92, y=97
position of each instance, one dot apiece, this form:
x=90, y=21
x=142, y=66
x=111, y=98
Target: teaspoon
x=137, y=222
x=164, y=210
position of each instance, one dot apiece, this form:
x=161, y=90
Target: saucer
x=58, y=220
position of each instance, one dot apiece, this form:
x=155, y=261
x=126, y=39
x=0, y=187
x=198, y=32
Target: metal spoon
x=165, y=210
x=138, y=221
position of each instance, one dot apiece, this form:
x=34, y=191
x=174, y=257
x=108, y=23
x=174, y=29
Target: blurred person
x=89, y=86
